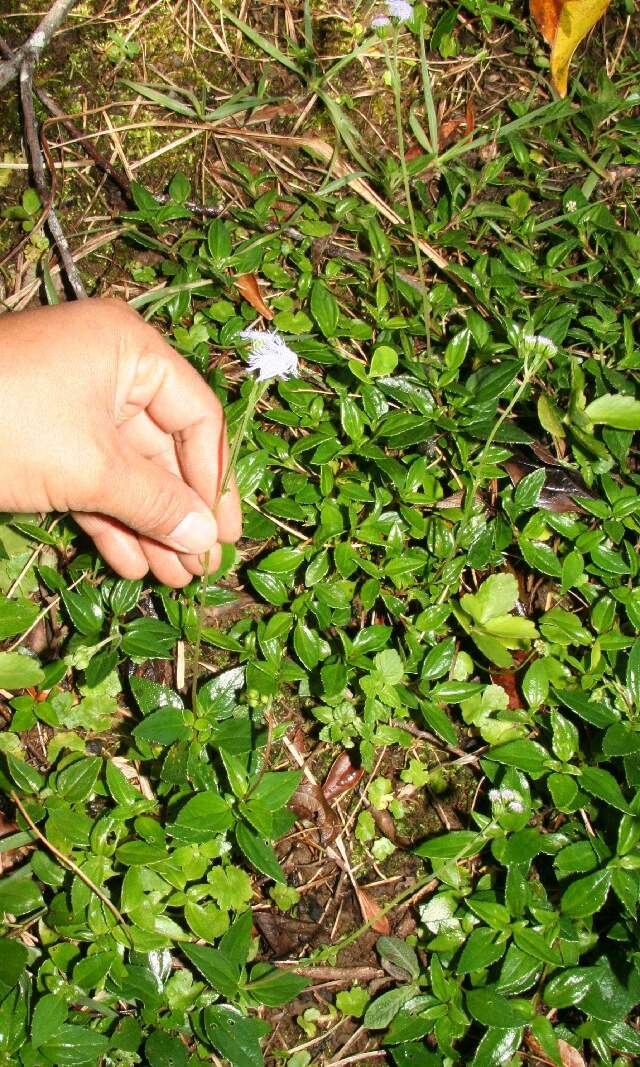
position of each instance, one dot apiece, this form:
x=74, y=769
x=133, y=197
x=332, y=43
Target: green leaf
x=16, y=616
x=602, y=784
x=48, y=1017
x=259, y=853
x=236, y=943
x=324, y=308
x=497, y=1046
x=85, y=609
x=482, y=948
x=536, y=944
x=492, y=1009
x=306, y=643
x=587, y=895
x=633, y=673
x=528, y=489
x=282, y=561
x=14, y=957
x=148, y=639
x=269, y=586
x=400, y=954
x=383, y=361
x=275, y=788
x=219, y=972
x=234, y=1035
x=201, y=818
x=274, y=986
x=438, y=659
x=163, y=1050
x=383, y=1009
x=526, y=755
x=621, y=740
x=19, y=671
x=615, y=409
x=540, y=557
x=162, y=727
x=535, y=684
x=75, y=1046
x=590, y=710
x=76, y=782
x=457, y=844
x=496, y=596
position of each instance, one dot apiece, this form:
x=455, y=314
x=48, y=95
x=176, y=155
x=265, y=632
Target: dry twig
x=39, y=39
x=45, y=193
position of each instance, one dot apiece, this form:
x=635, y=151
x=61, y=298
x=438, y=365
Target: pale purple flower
x=269, y=356
x=399, y=9
x=539, y=341
x=509, y=798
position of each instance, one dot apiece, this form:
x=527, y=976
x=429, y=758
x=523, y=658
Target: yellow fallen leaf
x=577, y=17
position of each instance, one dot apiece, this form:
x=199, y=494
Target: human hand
x=102, y=418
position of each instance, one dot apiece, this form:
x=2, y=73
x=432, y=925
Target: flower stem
x=257, y=390
x=392, y=65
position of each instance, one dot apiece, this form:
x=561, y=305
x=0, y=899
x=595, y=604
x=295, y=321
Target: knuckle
x=161, y=511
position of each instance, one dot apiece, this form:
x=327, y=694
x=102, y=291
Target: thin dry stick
x=73, y=867
x=359, y=1057
x=46, y=194
x=38, y=40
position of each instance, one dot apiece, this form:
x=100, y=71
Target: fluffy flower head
x=508, y=798
x=399, y=9
x=269, y=356
x=538, y=342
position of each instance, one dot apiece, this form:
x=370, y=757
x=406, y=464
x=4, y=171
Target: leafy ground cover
x=399, y=823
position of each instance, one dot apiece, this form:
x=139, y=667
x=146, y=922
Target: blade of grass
x=260, y=41
x=162, y=99
x=427, y=91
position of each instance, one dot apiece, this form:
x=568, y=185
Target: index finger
x=184, y=406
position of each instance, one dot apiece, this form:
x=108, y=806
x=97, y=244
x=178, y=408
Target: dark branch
x=46, y=194
x=38, y=40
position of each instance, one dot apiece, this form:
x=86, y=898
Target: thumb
x=152, y=501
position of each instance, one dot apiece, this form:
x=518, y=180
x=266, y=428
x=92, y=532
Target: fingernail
x=196, y=533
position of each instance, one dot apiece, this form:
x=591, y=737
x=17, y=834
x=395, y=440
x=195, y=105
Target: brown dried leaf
x=568, y=1054
x=342, y=776
x=507, y=679
x=308, y=802
x=247, y=286
x=371, y=912
x=470, y=116
x=560, y=487
x=447, y=132
x=546, y=15
x=283, y=934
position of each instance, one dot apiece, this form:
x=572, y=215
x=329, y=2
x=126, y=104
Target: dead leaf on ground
x=283, y=934
x=247, y=286
x=546, y=15
x=560, y=487
x=470, y=116
x=342, y=776
x=309, y=802
x=568, y=1054
x=507, y=679
x=371, y=912
x=564, y=24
